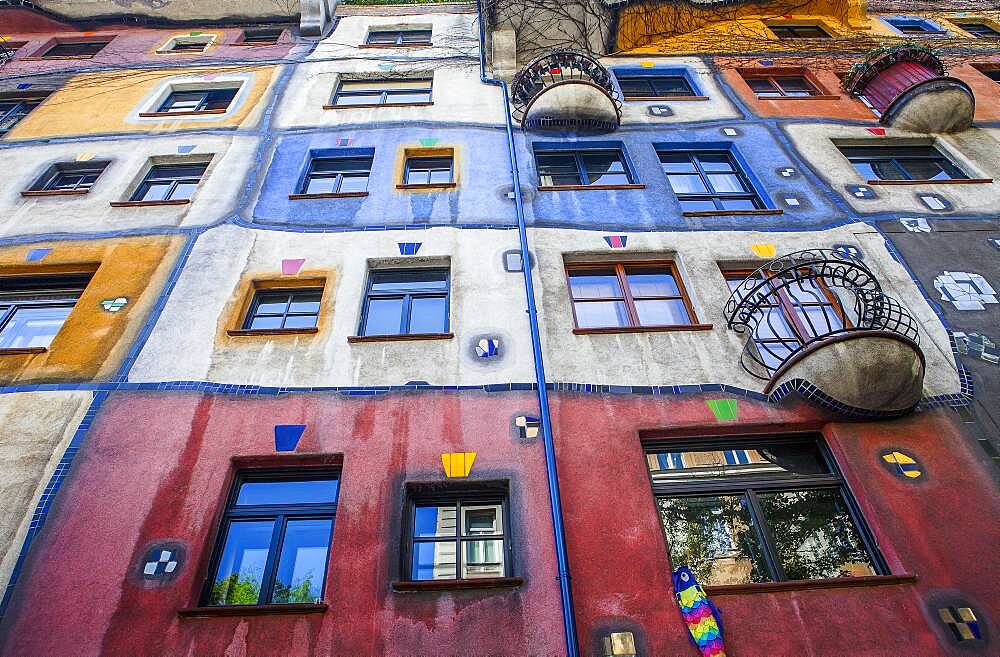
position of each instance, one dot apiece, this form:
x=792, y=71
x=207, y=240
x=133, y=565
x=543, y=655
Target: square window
x=436, y=170
x=368, y=93
x=16, y=107
x=597, y=166
x=70, y=176
x=406, y=302
x=799, y=32
x=262, y=36
x=276, y=309
x=901, y=163
x=759, y=510
x=34, y=308
x=170, y=182
x=399, y=37
x=203, y=100
x=274, y=543
x=708, y=181
x=628, y=296
x=979, y=30
x=654, y=86
x=337, y=175
x=82, y=49
x=457, y=533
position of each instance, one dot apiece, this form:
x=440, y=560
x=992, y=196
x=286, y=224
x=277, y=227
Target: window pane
x=300, y=321
x=786, y=459
x=605, y=168
x=677, y=163
x=601, y=314
x=594, y=284
x=635, y=87
x=697, y=205
x=440, y=176
x=184, y=190
x=434, y=560
x=408, y=97
x=482, y=559
x=795, y=86
x=481, y=521
x=652, y=283
x=687, y=184
x=714, y=535
x=354, y=184
x=814, y=535
x=672, y=86
x=266, y=322
x=358, y=99
x=428, y=315
x=240, y=572
x=271, y=303
x=33, y=327
x=435, y=520
x=312, y=491
x=726, y=182
x=930, y=169
x=763, y=87
x=305, y=302
x=820, y=320
x=716, y=162
x=662, y=312
x=738, y=204
x=153, y=191
x=302, y=564
x=558, y=169
x=383, y=317
x=409, y=281
x=321, y=185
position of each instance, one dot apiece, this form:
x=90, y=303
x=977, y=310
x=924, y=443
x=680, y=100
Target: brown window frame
x=774, y=80
x=620, y=268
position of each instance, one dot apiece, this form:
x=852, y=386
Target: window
x=406, y=302
x=437, y=170
x=796, y=312
x=979, y=30
x=708, y=181
x=367, y=93
x=654, y=86
x=337, y=175
x=75, y=49
x=799, y=31
x=901, y=163
x=791, y=86
x=915, y=26
x=70, y=176
x=170, y=182
x=296, y=308
x=582, y=168
x=992, y=73
x=275, y=539
x=759, y=510
x=628, y=296
x=262, y=36
x=15, y=108
x=398, y=37
x=187, y=44
x=206, y=100
x=461, y=533
x=8, y=48
x=33, y=308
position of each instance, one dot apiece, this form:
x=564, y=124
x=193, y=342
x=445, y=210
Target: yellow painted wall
x=92, y=343
x=107, y=102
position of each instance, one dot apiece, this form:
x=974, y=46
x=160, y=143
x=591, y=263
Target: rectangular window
x=708, y=181
x=188, y=45
x=206, y=100
x=792, y=86
x=70, y=176
x=993, y=74
x=460, y=534
x=295, y=308
x=654, y=86
x=337, y=175
x=582, y=168
x=398, y=37
x=33, y=308
x=799, y=31
x=263, y=36
x=630, y=295
x=406, y=302
x=759, y=510
x=275, y=539
x=382, y=92
x=77, y=49
x=15, y=108
x=170, y=182
x=979, y=30
x=901, y=163
x=429, y=170
x=915, y=26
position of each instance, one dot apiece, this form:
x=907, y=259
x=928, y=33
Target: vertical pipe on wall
x=552, y=476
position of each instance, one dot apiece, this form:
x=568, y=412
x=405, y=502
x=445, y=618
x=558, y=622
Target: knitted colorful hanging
x=703, y=620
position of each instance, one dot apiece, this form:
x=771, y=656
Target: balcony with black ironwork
x=566, y=90
x=821, y=317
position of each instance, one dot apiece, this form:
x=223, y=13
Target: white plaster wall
x=216, y=197
x=37, y=428
x=712, y=356
x=974, y=151
x=485, y=300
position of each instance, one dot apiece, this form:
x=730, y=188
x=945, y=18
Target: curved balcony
x=908, y=88
x=821, y=317
x=566, y=90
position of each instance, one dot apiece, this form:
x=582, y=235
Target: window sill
x=816, y=97
x=643, y=329
x=285, y=331
x=179, y=52
x=950, y=181
x=573, y=188
x=147, y=115
x=459, y=584
x=252, y=610
x=414, y=44
x=253, y=45
x=427, y=186
x=144, y=204
x=19, y=351
x=299, y=197
x=43, y=59
x=398, y=338
x=723, y=213
x=370, y=105
x=55, y=192
x=806, y=584
x=668, y=99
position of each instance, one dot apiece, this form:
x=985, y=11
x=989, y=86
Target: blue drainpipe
x=569, y=616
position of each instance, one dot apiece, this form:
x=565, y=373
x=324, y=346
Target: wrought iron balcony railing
x=799, y=301
x=562, y=68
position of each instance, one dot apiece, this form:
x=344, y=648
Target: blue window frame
x=15, y=108
x=978, y=29
x=369, y=93
x=77, y=49
x=656, y=82
x=34, y=308
x=915, y=26
x=275, y=539
x=70, y=176
x=437, y=170
x=206, y=100
x=582, y=164
x=338, y=175
x=406, y=302
x=170, y=182
x=710, y=177
x=275, y=309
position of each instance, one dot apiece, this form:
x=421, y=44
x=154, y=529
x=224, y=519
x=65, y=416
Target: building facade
x=457, y=329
